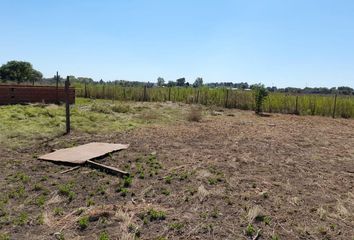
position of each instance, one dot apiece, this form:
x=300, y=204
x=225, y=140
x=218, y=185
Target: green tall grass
x=304, y=104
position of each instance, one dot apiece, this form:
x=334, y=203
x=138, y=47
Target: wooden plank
x=70, y=169
x=82, y=153
x=107, y=168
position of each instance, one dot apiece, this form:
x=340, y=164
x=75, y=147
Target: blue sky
x=277, y=42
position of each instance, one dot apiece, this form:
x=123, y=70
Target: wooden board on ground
x=81, y=154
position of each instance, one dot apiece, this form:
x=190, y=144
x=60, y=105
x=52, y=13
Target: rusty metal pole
x=67, y=105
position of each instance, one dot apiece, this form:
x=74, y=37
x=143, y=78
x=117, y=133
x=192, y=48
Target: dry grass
x=202, y=193
x=254, y=212
x=195, y=114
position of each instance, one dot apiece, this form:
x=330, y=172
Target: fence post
x=226, y=97
x=169, y=94
x=334, y=107
x=57, y=87
x=67, y=105
x=144, y=96
x=85, y=89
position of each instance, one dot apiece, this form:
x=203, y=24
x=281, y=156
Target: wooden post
x=334, y=107
x=85, y=89
x=144, y=96
x=226, y=98
x=169, y=94
x=57, y=86
x=67, y=105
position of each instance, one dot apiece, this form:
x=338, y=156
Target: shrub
x=260, y=94
x=120, y=108
x=101, y=108
x=195, y=114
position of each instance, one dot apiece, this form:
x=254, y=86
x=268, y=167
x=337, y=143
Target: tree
x=260, y=94
x=181, y=82
x=198, y=82
x=19, y=71
x=160, y=81
x=171, y=84
x=35, y=76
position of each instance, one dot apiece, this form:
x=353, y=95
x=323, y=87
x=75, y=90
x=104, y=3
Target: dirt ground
x=231, y=176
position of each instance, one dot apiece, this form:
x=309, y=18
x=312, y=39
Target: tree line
x=21, y=71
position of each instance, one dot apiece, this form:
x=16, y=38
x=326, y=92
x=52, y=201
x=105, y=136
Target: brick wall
x=12, y=94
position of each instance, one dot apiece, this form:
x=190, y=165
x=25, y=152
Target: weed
x=275, y=237
x=153, y=215
x=192, y=191
x=4, y=236
x=214, y=213
x=59, y=236
x=66, y=190
x=83, y=222
x=58, y=211
x=44, y=178
x=165, y=191
x=141, y=175
x=40, y=219
x=160, y=238
x=153, y=163
x=104, y=236
x=80, y=211
x=212, y=181
x=183, y=176
x=40, y=201
x=177, y=226
x=127, y=182
x=90, y=202
x=22, y=177
x=168, y=179
x=22, y=219
x=18, y=193
x=38, y=187
x=123, y=191
x=267, y=220
x=265, y=195
x=101, y=190
x=322, y=230
x=250, y=230
x=134, y=229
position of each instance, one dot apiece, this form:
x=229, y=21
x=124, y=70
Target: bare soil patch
x=229, y=176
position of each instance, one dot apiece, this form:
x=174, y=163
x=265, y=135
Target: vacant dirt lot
x=230, y=176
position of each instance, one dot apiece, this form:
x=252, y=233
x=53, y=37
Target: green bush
x=260, y=94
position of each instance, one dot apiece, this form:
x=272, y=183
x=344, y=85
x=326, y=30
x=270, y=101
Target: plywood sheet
x=82, y=153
